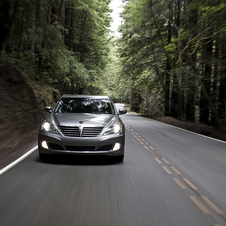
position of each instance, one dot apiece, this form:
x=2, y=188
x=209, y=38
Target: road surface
x=169, y=177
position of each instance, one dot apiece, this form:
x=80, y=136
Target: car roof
x=85, y=96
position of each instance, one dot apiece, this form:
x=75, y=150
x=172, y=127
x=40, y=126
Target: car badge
x=80, y=131
x=81, y=122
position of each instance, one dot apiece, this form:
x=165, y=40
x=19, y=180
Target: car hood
x=79, y=119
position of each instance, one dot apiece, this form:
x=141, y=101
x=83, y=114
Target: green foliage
x=169, y=49
x=60, y=43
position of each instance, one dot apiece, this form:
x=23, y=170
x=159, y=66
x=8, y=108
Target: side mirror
x=47, y=109
x=122, y=111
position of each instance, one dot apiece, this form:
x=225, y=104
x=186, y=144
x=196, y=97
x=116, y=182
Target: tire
x=119, y=158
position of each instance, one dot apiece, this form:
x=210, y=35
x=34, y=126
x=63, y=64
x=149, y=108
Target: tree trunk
x=67, y=25
x=214, y=115
x=176, y=107
x=191, y=81
x=4, y=21
x=71, y=31
x=168, y=67
x=81, y=38
x=55, y=11
x=206, y=82
x=222, y=90
x=174, y=97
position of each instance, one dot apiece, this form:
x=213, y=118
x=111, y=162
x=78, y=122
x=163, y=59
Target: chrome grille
x=70, y=131
x=86, y=131
x=91, y=131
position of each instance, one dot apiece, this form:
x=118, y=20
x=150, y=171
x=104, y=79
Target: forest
x=60, y=43
x=168, y=61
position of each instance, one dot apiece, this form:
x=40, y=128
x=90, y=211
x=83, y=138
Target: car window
x=84, y=105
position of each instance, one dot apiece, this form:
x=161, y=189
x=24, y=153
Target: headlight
x=48, y=127
x=114, y=129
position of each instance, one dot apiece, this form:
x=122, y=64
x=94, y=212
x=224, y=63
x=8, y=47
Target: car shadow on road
x=79, y=160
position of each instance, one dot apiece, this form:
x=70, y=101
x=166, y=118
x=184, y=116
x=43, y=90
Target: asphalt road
x=169, y=177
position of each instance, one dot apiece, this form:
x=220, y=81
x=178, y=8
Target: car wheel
x=119, y=158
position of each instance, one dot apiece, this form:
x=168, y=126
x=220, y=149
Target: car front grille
x=70, y=131
x=91, y=131
x=86, y=131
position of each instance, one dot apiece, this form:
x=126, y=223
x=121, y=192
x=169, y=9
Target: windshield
x=84, y=105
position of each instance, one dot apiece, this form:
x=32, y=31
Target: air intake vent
x=91, y=131
x=55, y=146
x=105, y=148
x=70, y=131
x=80, y=148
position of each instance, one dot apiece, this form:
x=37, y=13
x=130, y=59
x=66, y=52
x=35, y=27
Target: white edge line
x=185, y=130
x=18, y=160
x=211, y=138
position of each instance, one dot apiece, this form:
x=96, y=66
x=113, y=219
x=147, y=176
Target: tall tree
x=4, y=21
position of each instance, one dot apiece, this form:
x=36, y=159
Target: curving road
x=169, y=177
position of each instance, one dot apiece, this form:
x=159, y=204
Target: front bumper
x=102, y=145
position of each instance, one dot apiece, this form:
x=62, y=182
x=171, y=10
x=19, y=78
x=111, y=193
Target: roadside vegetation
x=170, y=60
x=60, y=43
x=173, y=56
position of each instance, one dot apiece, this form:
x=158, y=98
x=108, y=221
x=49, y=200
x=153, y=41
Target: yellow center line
x=158, y=153
x=210, y=204
x=173, y=168
x=200, y=205
x=179, y=183
x=152, y=153
x=158, y=160
x=190, y=184
x=165, y=161
x=182, y=186
x=167, y=170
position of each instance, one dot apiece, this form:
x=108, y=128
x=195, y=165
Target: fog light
x=116, y=147
x=44, y=144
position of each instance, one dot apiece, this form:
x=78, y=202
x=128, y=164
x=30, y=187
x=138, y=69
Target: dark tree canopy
x=173, y=54
x=61, y=43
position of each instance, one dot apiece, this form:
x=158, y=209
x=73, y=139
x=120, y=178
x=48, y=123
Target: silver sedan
x=83, y=125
